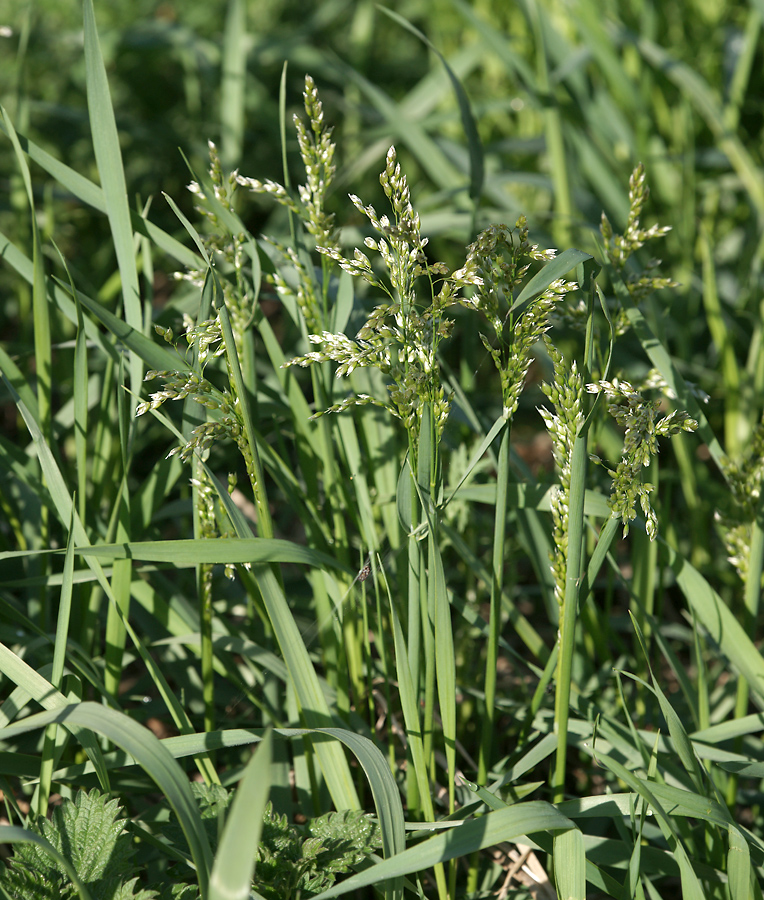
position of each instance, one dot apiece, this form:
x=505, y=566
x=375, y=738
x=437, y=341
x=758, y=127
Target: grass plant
x=407, y=531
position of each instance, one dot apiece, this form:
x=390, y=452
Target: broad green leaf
x=570, y=865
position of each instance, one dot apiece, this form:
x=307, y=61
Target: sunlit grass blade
x=109, y=159
x=41, y=690
x=500, y=825
x=386, y=797
x=553, y=270
x=234, y=64
x=303, y=676
x=234, y=865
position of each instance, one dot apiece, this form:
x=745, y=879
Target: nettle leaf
x=213, y=801
x=348, y=837
x=305, y=861
x=127, y=891
x=90, y=834
x=178, y=891
x=20, y=880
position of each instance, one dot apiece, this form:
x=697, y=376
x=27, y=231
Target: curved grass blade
x=553, y=270
x=493, y=828
x=144, y=747
x=62, y=502
x=41, y=690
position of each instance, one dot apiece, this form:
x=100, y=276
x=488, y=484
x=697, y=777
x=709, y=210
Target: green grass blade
x=570, y=865
x=57, y=671
x=664, y=364
x=411, y=134
x=212, y=551
x=109, y=160
x=62, y=502
x=553, y=270
x=387, y=800
x=41, y=312
x=232, y=95
x=156, y=356
x=303, y=677
x=41, y=690
x=739, y=870
x=702, y=98
x=496, y=826
x=469, y=126
x=691, y=886
x=234, y=865
x=682, y=744
x=721, y=624
x=92, y=195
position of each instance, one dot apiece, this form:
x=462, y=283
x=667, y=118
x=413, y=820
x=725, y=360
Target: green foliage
x=292, y=861
x=89, y=832
x=297, y=862
x=458, y=670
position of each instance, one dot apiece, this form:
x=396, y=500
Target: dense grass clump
x=460, y=533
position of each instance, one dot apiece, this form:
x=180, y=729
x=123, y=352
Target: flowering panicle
x=567, y=396
x=205, y=340
x=499, y=261
x=213, y=523
x=317, y=152
x=228, y=249
x=302, y=289
x=401, y=337
x=644, y=425
x=619, y=247
x=745, y=478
